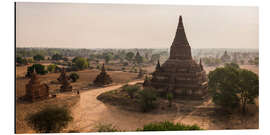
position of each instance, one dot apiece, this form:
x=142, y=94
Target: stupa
x=63, y=78
x=180, y=74
x=103, y=78
x=35, y=90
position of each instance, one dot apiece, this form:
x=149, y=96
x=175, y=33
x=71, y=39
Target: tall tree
x=231, y=86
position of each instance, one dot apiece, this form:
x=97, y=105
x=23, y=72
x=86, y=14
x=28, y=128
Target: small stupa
x=64, y=81
x=35, y=90
x=103, y=78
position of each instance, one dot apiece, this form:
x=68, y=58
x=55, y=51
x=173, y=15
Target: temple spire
x=180, y=36
x=201, y=66
x=180, y=48
x=158, y=65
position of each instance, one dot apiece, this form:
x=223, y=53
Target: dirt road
x=89, y=112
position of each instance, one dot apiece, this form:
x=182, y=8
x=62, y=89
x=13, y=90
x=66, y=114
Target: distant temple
x=225, y=57
x=180, y=74
x=103, y=78
x=35, y=90
x=63, y=78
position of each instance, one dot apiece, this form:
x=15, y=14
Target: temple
x=180, y=74
x=35, y=90
x=103, y=78
x=63, y=78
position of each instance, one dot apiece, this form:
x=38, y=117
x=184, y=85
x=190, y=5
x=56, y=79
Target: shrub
x=51, y=67
x=131, y=90
x=50, y=119
x=147, y=98
x=107, y=128
x=57, y=57
x=38, y=57
x=40, y=69
x=74, y=77
x=168, y=126
x=21, y=60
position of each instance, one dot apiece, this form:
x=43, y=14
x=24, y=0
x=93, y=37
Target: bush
x=74, y=77
x=51, y=68
x=80, y=63
x=168, y=126
x=147, y=97
x=38, y=57
x=57, y=57
x=40, y=69
x=107, y=128
x=21, y=60
x=50, y=119
x=131, y=90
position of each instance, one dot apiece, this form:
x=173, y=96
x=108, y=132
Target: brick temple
x=180, y=74
x=35, y=90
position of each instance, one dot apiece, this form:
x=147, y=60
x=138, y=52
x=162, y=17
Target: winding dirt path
x=89, y=112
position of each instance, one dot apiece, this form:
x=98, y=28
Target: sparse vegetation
x=147, y=97
x=131, y=89
x=107, y=128
x=168, y=126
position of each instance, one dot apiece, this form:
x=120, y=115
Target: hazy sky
x=133, y=26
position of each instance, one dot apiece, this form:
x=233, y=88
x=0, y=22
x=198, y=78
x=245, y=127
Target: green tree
x=248, y=88
x=38, y=57
x=40, y=69
x=74, y=77
x=129, y=56
x=231, y=86
x=50, y=119
x=170, y=98
x=131, y=90
x=147, y=97
x=232, y=65
x=108, y=57
x=21, y=60
x=80, y=63
x=51, y=68
x=57, y=57
x=256, y=61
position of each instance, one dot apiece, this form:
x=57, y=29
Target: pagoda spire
x=180, y=36
x=180, y=48
x=103, y=68
x=201, y=66
x=158, y=65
